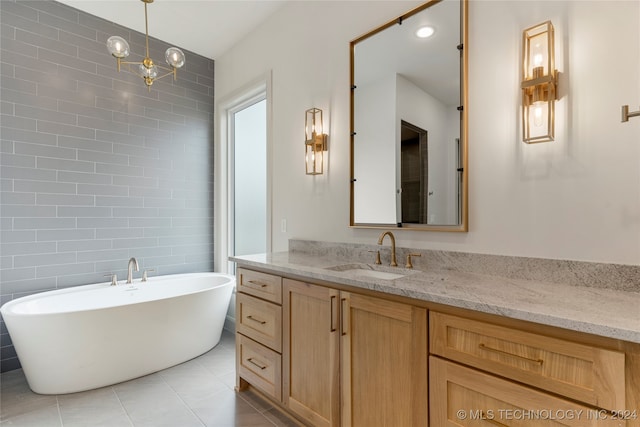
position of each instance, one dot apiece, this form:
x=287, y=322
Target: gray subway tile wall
x=94, y=167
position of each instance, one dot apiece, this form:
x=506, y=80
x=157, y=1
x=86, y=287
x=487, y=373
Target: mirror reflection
x=408, y=148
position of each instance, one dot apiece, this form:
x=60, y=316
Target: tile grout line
x=225, y=354
x=113, y=390
x=59, y=411
x=256, y=409
x=238, y=395
x=183, y=402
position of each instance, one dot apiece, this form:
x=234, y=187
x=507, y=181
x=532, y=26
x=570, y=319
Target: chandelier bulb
x=118, y=47
x=174, y=57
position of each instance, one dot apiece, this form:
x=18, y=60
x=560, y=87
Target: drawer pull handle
x=505, y=353
x=333, y=313
x=262, y=322
x=485, y=417
x=255, y=282
x=343, y=317
x=250, y=360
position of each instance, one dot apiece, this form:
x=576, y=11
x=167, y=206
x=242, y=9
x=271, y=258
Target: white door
x=249, y=179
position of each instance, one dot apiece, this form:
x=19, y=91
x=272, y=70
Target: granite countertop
x=605, y=312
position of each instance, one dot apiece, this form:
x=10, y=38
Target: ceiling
x=210, y=27
x=205, y=27
x=432, y=64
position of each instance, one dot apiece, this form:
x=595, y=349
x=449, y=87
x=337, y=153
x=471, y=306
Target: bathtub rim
x=7, y=311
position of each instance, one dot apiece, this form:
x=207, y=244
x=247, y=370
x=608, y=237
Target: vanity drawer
x=262, y=285
x=586, y=373
x=260, y=366
x=259, y=320
x=465, y=397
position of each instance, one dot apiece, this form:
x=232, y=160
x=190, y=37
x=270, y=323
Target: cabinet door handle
x=343, y=317
x=505, y=353
x=253, y=362
x=255, y=282
x=333, y=313
x=262, y=322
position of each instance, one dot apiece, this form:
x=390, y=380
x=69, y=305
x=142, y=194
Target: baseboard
x=230, y=324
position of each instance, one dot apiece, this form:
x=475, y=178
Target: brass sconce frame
x=539, y=83
x=315, y=143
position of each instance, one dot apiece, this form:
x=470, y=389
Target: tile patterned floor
x=196, y=393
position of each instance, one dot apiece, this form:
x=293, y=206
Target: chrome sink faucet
x=133, y=265
x=393, y=246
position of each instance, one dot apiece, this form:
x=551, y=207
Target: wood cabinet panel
x=465, y=397
x=259, y=365
x=259, y=320
x=583, y=372
x=311, y=352
x=262, y=285
x=384, y=362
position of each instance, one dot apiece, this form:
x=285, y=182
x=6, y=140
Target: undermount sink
x=369, y=270
x=377, y=274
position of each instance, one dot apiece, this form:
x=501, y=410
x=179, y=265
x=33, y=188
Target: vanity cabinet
x=259, y=331
x=329, y=356
x=363, y=356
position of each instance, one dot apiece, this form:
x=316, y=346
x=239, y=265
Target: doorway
x=243, y=187
x=413, y=174
x=249, y=180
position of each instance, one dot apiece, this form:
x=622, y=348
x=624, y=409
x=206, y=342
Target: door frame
x=239, y=99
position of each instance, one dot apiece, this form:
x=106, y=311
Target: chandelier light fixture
x=147, y=69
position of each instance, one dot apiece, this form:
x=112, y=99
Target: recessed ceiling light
x=424, y=32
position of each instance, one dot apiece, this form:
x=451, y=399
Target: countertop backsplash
x=575, y=273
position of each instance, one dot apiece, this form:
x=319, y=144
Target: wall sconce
x=315, y=142
x=538, y=83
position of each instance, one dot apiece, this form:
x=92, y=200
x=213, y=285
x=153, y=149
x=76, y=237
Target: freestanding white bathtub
x=91, y=336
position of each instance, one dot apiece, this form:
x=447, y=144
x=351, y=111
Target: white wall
x=575, y=198
x=375, y=152
x=423, y=110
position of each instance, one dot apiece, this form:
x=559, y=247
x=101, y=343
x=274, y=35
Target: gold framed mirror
x=409, y=162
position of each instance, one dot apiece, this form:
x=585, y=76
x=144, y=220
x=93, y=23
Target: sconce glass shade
x=314, y=159
x=174, y=57
x=118, y=47
x=539, y=82
x=315, y=143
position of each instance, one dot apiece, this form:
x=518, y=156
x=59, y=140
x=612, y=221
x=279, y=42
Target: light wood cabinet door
x=465, y=397
x=311, y=352
x=384, y=363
